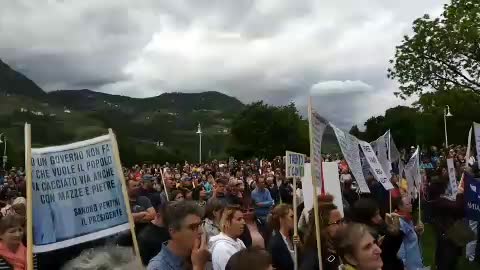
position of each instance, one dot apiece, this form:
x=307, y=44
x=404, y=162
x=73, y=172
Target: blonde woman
x=227, y=243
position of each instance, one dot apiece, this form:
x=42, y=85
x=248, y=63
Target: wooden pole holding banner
x=118, y=164
x=295, y=223
x=390, y=199
x=164, y=186
x=419, y=188
x=315, y=196
x=28, y=175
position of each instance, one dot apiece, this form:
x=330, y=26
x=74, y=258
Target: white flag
x=381, y=148
x=317, y=127
x=469, y=147
x=476, y=127
x=412, y=173
x=376, y=167
x=349, y=146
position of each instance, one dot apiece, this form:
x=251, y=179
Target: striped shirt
x=4, y=265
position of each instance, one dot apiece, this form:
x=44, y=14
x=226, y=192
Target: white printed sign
x=376, y=167
x=469, y=146
x=381, y=149
x=295, y=164
x=77, y=194
x=317, y=126
x=412, y=173
x=452, y=188
x=349, y=146
x=476, y=126
x=332, y=185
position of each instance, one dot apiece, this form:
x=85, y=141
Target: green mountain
x=151, y=129
x=13, y=82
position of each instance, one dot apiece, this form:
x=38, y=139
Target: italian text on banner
x=318, y=128
x=376, y=167
x=349, y=146
x=77, y=194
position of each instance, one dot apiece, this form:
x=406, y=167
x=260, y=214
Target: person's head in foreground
x=331, y=222
x=366, y=211
x=105, y=258
x=358, y=249
x=11, y=248
x=282, y=218
x=183, y=220
x=232, y=222
x=250, y=259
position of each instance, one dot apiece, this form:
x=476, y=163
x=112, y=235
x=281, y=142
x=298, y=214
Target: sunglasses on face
x=194, y=226
x=338, y=222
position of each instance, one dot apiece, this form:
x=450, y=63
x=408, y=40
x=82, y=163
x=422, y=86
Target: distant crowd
x=238, y=215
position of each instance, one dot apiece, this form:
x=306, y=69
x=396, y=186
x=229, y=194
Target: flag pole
x=28, y=174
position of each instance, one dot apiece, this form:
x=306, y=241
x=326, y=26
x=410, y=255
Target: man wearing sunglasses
x=187, y=244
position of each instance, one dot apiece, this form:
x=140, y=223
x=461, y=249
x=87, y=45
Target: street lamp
x=446, y=113
x=4, y=149
x=199, y=132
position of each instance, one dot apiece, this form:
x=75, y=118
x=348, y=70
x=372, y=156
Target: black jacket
x=310, y=260
x=281, y=258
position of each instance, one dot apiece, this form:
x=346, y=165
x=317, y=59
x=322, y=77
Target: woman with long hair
x=282, y=243
x=358, y=249
x=213, y=215
x=256, y=232
x=200, y=196
x=228, y=242
x=331, y=222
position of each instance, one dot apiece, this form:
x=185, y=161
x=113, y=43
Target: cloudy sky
x=275, y=50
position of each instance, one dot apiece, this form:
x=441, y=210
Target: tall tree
x=266, y=131
x=355, y=131
x=442, y=54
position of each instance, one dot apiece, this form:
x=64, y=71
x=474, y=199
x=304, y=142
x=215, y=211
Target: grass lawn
x=428, y=247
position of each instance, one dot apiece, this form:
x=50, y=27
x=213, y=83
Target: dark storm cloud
x=274, y=50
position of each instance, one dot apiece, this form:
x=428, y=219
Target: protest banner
x=331, y=182
x=452, y=187
x=472, y=197
x=476, y=127
x=316, y=129
x=294, y=165
x=412, y=173
x=349, y=146
x=381, y=147
x=78, y=193
x=469, y=147
x=376, y=167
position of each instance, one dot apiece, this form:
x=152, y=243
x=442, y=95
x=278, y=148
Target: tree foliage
x=266, y=131
x=442, y=54
x=423, y=124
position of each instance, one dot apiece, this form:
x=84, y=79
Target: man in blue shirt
x=183, y=220
x=262, y=199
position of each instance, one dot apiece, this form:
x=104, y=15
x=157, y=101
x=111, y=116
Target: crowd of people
x=239, y=215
